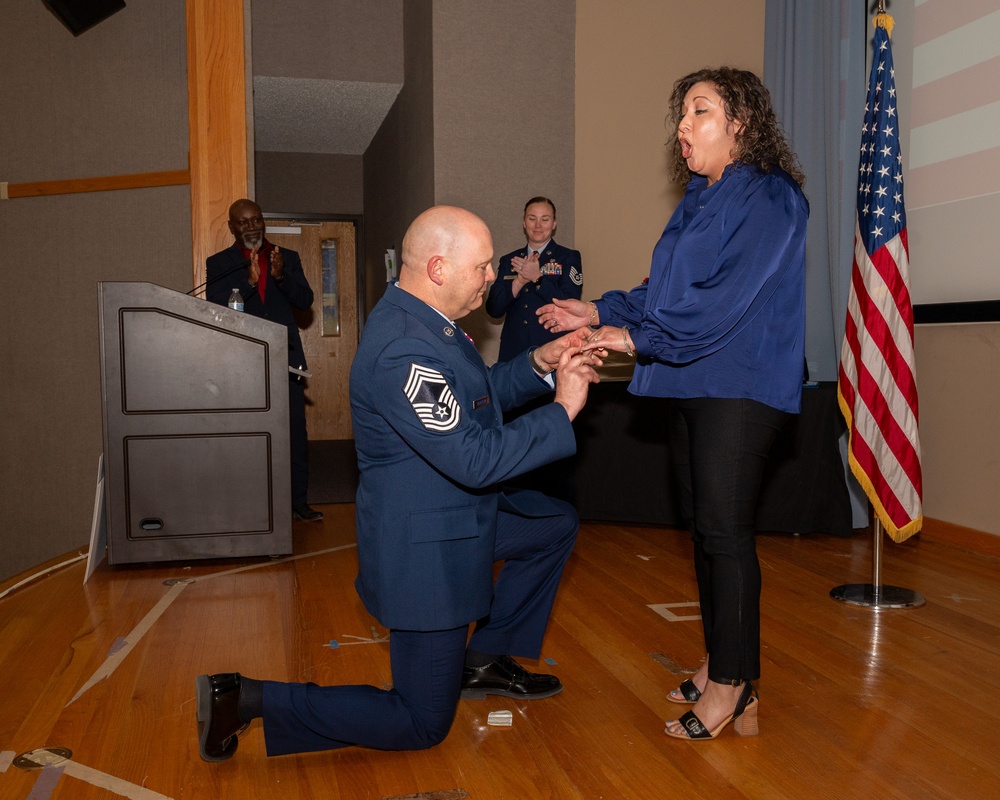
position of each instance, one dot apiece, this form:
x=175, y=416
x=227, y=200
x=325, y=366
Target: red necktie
x=262, y=280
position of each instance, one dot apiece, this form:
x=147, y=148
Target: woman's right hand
x=565, y=315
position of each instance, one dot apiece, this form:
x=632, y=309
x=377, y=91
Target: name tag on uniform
x=479, y=403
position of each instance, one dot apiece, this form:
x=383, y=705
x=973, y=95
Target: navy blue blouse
x=723, y=312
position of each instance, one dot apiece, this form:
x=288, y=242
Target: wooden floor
x=854, y=703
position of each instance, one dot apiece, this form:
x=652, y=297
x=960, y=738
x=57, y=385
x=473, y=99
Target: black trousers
x=298, y=441
x=719, y=448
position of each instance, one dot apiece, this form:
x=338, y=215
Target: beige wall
x=958, y=380
x=343, y=40
x=628, y=56
x=477, y=125
x=958, y=373
x=399, y=162
x=112, y=101
x=503, y=119
x=635, y=51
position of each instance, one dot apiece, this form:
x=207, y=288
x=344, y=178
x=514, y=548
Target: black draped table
x=622, y=469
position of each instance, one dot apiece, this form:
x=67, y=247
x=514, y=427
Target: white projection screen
x=952, y=187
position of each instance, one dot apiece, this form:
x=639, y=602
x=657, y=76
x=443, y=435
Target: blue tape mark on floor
x=46, y=782
x=117, y=645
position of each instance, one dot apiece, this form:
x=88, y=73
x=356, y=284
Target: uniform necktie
x=463, y=332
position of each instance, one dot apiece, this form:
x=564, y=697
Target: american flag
x=876, y=386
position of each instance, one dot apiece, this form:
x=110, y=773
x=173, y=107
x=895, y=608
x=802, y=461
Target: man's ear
x=435, y=270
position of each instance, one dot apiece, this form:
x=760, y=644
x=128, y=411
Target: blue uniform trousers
x=427, y=665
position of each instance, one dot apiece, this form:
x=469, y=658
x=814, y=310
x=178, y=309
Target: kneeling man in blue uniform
x=431, y=520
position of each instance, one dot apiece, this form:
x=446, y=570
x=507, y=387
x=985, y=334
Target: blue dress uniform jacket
x=562, y=277
x=432, y=448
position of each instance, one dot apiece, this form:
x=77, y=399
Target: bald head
x=440, y=230
x=242, y=204
x=447, y=255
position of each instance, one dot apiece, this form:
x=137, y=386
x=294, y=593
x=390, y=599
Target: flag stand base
x=876, y=594
x=866, y=594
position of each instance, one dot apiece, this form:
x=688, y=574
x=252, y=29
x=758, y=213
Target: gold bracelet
x=590, y=322
x=628, y=350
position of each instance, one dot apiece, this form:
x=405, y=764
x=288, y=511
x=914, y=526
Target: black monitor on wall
x=80, y=15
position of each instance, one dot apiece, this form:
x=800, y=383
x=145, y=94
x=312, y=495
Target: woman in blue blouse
x=719, y=329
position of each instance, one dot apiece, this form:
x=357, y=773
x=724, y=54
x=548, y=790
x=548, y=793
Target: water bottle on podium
x=236, y=300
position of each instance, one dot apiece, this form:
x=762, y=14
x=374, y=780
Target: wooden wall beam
x=106, y=183
x=217, y=113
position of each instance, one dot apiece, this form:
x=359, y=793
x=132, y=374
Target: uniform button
x=524, y=322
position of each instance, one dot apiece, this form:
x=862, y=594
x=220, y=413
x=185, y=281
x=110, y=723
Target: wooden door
x=330, y=327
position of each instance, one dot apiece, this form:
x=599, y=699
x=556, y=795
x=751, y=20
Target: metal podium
x=196, y=451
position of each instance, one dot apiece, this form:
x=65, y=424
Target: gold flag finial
x=883, y=20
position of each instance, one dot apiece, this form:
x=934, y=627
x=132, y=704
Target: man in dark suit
x=431, y=522
x=531, y=277
x=272, y=283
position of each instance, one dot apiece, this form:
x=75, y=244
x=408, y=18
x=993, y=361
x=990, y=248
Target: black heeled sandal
x=690, y=693
x=744, y=719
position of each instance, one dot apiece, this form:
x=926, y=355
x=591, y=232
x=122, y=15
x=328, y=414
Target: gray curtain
x=814, y=67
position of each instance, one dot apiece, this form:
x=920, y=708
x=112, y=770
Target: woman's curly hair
x=761, y=142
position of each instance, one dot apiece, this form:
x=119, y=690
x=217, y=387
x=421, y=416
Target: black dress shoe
x=219, y=722
x=307, y=514
x=507, y=678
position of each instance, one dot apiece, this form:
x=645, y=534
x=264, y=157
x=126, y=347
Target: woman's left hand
x=564, y=315
x=610, y=338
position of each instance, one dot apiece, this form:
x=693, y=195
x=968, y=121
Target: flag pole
x=876, y=594
x=876, y=387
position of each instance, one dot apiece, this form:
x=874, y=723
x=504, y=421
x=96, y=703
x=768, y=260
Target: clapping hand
x=527, y=269
x=277, y=264
x=253, y=268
